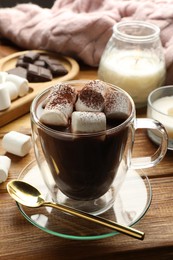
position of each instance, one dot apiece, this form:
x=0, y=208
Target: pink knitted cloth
x=81, y=28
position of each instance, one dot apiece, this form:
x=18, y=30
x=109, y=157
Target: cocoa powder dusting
x=61, y=94
x=91, y=98
x=110, y=101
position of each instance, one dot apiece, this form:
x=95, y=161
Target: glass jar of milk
x=134, y=60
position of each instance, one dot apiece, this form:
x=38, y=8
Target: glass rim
x=150, y=102
x=137, y=23
x=44, y=127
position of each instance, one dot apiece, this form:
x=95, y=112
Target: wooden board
x=21, y=106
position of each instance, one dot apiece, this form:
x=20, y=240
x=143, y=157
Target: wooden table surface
x=21, y=240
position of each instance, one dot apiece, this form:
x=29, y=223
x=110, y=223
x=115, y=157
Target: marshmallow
x=88, y=122
x=98, y=85
x=21, y=84
x=65, y=107
x=90, y=99
x=5, y=164
x=17, y=143
x=116, y=105
x=59, y=105
x=12, y=89
x=63, y=91
x=5, y=101
x=53, y=117
x=3, y=76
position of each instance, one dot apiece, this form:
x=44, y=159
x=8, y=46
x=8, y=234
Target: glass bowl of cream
x=160, y=108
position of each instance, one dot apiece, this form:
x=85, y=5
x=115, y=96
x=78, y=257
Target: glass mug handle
x=154, y=159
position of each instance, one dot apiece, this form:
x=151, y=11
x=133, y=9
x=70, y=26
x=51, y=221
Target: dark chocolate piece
x=38, y=74
x=58, y=70
x=56, y=67
x=31, y=56
x=18, y=71
x=40, y=63
x=45, y=58
x=21, y=63
x=49, y=67
x=51, y=62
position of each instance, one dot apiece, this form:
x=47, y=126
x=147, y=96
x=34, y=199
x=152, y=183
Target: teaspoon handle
x=102, y=221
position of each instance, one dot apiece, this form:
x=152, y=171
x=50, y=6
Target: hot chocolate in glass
x=83, y=134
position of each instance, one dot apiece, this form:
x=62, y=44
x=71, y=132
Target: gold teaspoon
x=29, y=196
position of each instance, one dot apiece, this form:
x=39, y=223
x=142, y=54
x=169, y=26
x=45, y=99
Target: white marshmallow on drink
x=57, y=114
x=59, y=105
x=5, y=164
x=5, y=100
x=64, y=91
x=17, y=143
x=53, y=117
x=3, y=76
x=98, y=85
x=21, y=84
x=90, y=99
x=116, y=105
x=88, y=122
x=12, y=89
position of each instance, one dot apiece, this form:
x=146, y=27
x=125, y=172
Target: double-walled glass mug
x=86, y=170
x=133, y=59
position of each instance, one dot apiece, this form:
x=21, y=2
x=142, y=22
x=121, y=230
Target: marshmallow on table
x=21, y=84
x=3, y=76
x=12, y=89
x=5, y=100
x=88, y=122
x=17, y=143
x=5, y=164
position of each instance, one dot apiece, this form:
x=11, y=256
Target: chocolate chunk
x=38, y=74
x=56, y=67
x=19, y=71
x=30, y=56
x=52, y=62
x=50, y=67
x=40, y=63
x=44, y=58
x=58, y=70
x=21, y=63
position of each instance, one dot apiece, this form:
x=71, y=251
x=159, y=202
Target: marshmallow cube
x=12, y=89
x=57, y=114
x=116, y=105
x=17, y=143
x=5, y=100
x=21, y=84
x=5, y=164
x=53, y=117
x=98, y=86
x=3, y=76
x=64, y=91
x=88, y=122
x=90, y=99
x=59, y=105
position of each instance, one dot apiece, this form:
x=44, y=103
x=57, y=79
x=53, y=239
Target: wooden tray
x=21, y=106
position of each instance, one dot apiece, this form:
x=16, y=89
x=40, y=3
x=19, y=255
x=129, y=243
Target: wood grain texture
x=21, y=240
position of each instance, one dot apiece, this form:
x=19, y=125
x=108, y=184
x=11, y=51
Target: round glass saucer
x=131, y=204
